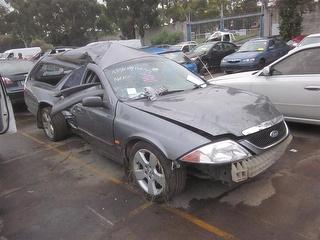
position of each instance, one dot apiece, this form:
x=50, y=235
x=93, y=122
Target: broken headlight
x=217, y=153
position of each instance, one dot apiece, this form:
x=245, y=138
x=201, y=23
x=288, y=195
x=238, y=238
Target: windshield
x=203, y=48
x=309, y=40
x=129, y=80
x=178, y=57
x=254, y=46
x=15, y=67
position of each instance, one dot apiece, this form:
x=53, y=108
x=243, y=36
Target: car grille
x=269, y=136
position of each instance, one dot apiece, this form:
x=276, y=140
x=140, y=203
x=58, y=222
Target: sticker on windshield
x=131, y=91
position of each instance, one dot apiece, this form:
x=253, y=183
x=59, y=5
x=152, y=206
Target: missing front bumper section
x=243, y=170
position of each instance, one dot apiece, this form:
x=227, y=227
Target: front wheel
x=55, y=127
x=152, y=172
x=262, y=64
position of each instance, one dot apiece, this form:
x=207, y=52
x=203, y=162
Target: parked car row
x=291, y=83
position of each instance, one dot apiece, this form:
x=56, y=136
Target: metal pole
x=221, y=18
x=262, y=19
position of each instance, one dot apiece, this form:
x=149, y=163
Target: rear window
x=51, y=73
x=15, y=67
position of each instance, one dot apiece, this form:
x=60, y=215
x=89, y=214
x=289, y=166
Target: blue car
x=175, y=55
x=255, y=54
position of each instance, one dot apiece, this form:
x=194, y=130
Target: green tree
x=291, y=17
x=132, y=14
x=61, y=22
x=19, y=22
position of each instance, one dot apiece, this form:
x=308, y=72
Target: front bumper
x=245, y=169
x=251, y=167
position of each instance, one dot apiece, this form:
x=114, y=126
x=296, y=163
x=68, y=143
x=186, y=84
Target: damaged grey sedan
x=163, y=122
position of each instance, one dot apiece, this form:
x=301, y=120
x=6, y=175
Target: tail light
x=7, y=81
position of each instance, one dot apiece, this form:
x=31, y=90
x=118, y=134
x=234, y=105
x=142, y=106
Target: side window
x=228, y=47
x=91, y=77
x=185, y=48
x=51, y=73
x=227, y=38
x=303, y=62
x=218, y=47
x=271, y=44
x=74, y=78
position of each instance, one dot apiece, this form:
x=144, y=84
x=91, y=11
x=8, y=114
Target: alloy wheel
x=47, y=124
x=149, y=172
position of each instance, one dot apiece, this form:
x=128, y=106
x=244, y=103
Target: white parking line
x=102, y=218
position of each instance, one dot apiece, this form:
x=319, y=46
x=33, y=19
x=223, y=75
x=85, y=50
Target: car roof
x=154, y=50
x=313, y=45
x=171, y=51
x=314, y=35
x=104, y=54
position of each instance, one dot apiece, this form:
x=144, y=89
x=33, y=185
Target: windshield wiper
x=203, y=85
x=169, y=92
x=152, y=94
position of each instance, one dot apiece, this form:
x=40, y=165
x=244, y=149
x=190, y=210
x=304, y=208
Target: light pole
x=221, y=17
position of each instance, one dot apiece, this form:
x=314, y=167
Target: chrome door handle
x=312, y=88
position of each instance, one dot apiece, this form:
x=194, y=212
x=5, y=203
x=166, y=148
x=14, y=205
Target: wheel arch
x=128, y=145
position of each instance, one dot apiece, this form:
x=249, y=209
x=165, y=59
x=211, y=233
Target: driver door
x=216, y=55
x=92, y=122
x=7, y=121
x=96, y=123
x=294, y=84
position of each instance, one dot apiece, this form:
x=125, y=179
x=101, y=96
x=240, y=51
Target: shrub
x=165, y=37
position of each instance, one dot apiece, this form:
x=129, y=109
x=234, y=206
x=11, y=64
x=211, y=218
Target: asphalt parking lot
x=65, y=190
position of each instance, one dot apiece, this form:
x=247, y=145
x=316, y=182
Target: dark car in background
x=209, y=55
x=13, y=74
x=160, y=120
x=175, y=55
x=255, y=54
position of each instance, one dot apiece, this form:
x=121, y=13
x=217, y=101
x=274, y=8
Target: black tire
x=262, y=64
x=60, y=127
x=175, y=178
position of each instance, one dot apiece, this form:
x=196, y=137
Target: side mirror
x=266, y=71
x=93, y=101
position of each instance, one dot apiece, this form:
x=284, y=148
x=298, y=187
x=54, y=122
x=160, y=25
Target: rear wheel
x=55, y=127
x=152, y=172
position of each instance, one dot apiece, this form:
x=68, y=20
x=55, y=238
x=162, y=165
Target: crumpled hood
x=216, y=110
x=242, y=55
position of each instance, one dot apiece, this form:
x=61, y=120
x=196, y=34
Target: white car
x=27, y=53
x=292, y=83
x=7, y=121
x=186, y=46
x=311, y=39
